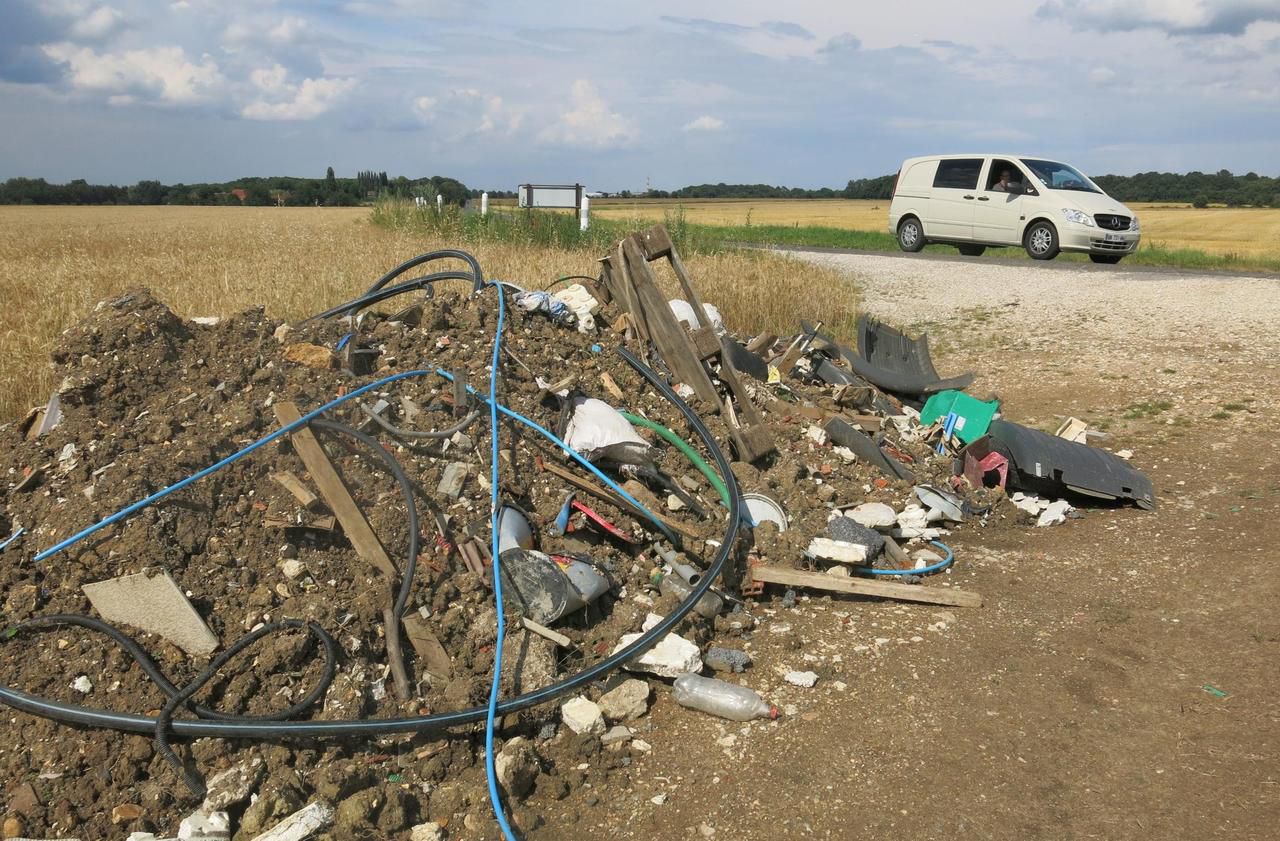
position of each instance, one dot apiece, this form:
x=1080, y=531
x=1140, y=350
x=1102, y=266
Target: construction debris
x=370, y=523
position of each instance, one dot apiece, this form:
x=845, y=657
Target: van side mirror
x=1031, y=191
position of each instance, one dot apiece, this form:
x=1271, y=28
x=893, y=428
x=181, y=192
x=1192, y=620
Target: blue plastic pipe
x=940, y=565
x=490, y=772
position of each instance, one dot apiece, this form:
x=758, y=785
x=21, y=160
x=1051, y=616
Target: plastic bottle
x=727, y=700
x=709, y=605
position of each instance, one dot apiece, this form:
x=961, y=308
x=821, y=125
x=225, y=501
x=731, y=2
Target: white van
x=975, y=201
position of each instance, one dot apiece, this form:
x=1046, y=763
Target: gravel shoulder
x=1119, y=680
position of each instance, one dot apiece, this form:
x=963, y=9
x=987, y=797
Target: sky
x=630, y=95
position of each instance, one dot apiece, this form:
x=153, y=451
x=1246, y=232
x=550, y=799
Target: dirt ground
x=1120, y=680
x=1117, y=683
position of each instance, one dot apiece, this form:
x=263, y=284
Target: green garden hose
x=689, y=452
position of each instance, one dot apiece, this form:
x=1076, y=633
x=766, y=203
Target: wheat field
x=57, y=262
x=1245, y=232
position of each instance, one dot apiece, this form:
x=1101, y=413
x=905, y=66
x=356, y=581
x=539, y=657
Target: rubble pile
x=841, y=485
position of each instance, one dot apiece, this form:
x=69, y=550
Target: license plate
x=1114, y=238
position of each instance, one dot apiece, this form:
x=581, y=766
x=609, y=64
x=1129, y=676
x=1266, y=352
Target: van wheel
x=972, y=250
x=910, y=234
x=1041, y=241
x=1110, y=259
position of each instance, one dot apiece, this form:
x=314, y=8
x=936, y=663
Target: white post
x=583, y=214
x=484, y=204
x=439, y=203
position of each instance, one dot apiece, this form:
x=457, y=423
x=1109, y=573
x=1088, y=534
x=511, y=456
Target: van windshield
x=1058, y=176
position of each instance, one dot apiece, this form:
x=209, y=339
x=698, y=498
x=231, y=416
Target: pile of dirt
x=148, y=399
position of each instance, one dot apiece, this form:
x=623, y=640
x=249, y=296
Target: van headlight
x=1133, y=223
x=1079, y=217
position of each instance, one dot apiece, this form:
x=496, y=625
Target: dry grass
x=57, y=262
x=1246, y=232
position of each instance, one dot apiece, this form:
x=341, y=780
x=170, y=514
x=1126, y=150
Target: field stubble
x=59, y=261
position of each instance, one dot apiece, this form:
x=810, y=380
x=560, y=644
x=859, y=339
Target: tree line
x=329, y=191
x=1197, y=188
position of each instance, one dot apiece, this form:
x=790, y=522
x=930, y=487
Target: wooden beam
x=863, y=587
x=335, y=493
x=665, y=331
x=356, y=528
x=294, y=485
x=546, y=633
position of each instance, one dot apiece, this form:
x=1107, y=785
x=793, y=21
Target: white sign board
x=550, y=195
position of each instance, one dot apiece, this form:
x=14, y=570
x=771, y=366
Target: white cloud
x=1101, y=74
x=287, y=30
x=271, y=80
x=162, y=74
x=97, y=24
x=286, y=101
x=425, y=107
x=589, y=122
x=705, y=123
x=469, y=113
x=1202, y=17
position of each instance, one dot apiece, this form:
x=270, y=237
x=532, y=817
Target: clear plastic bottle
x=709, y=605
x=717, y=697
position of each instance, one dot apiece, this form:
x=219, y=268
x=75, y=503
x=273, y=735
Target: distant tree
x=146, y=192
x=330, y=182
x=257, y=195
x=1201, y=201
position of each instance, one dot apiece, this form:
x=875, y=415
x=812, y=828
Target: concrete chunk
x=626, y=702
x=205, y=826
x=153, y=602
x=671, y=657
x=874, y=515
x=455, y=476
x=838, y=550
x=235, y=784
x=301, y=825
x=582, y=716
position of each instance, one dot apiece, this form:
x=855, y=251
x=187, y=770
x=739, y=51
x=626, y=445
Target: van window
x=1059, y=176
x=997, y=184
x=958, y=174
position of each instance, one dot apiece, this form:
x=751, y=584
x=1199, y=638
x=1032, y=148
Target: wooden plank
x=629, y=298
x=435, y=660
x=611, y=385
x=335, y=493
x=863, y=587
x=546, y=633
x=667, y=334
x=294, y=485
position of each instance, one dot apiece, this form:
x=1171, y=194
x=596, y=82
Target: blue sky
x=625, y=95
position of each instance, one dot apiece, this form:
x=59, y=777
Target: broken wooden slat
x=862, y=587
x=435, y=660
x=611, y=386
x=546, y=633
x=335, y=493
x=356, y=528
x=294, y=485
x=677, y=349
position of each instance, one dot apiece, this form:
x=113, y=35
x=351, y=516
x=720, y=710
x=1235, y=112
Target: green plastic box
x=973, y=416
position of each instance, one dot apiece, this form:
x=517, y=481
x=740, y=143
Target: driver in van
x=1002, y=186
